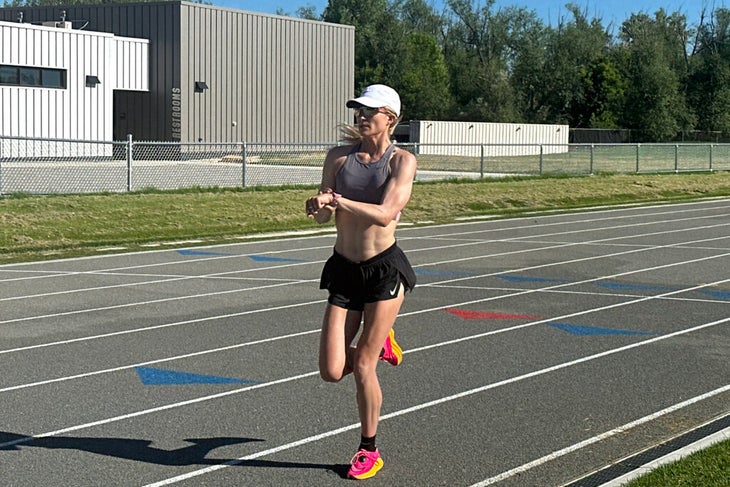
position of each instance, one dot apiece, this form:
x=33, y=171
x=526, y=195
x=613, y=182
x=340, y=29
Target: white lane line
x=165, y=325
x=168, y=279
x=163, y=278
x=178, y=298
x=431, y=403
x=162, y=360
x=440, y=401
x=145, y=412
x=555, y=318
x=152, y=301
x=635, y=249
x=489, y=230
x=595, y=439
x=472, y=337
x=605, y=293
x=532, y=227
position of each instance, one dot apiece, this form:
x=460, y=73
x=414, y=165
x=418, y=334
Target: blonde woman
x=365, y=184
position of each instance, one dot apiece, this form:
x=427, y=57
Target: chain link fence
x=54, y=166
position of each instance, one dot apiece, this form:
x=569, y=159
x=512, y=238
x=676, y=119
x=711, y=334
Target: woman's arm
x=320, y=206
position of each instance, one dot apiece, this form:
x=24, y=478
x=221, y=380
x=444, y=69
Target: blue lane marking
x=436, y=272
x=716, y=294
x=635, y=287
x=198, y=252
x=513, y=278
x=160, y=377
x=592, y=330
x=267, y=258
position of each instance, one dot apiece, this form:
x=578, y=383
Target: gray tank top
x=364, y=182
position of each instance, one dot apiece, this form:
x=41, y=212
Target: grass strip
x=58, y=226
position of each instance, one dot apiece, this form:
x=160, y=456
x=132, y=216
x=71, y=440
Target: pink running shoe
x=365, y=464
x=391, y=353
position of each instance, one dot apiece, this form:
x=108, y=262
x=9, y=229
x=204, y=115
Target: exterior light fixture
x=92, y=81
x=200, y=86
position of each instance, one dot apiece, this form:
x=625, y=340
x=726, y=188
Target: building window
x=32, y=76
x=9, y=75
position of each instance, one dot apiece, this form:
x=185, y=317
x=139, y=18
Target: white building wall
x=499, y=139
x=77, y=111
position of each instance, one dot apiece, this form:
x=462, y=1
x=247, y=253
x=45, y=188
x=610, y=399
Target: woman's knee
x=332, y=371
x=364, y=362
x=328, y=375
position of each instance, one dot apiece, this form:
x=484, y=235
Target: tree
x=376, y=38
x=603, y=92
x=475, y=46
x=708, y=89
x=424, y=86
x=395, y=45
x=573, y=49
x=655, y=69
x=526, y=62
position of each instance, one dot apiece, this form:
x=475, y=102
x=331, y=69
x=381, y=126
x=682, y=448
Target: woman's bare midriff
x=358, y=242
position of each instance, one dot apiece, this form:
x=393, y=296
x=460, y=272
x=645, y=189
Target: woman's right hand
x=316, y=203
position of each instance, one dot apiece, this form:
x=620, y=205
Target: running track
x=538, y=351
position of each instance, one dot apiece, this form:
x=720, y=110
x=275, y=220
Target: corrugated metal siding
x=500, y=139
x=280, y=79
x=270, y=78
x=132, y=56
x=77, y=112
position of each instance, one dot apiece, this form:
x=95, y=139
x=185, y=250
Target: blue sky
x=549, y=10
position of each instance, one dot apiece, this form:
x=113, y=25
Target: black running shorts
x=352, y=284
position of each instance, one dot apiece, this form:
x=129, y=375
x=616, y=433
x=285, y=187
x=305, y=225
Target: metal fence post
x=676, y=158
x=481, y=162
x=711, y=157
x=637, y=157
x=541, y=151
x=243, y=164
x=129, y=162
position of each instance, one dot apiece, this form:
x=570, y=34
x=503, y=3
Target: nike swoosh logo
x=397, y=285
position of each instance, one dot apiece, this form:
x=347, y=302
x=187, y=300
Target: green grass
x=43, y=227
x=705, y=468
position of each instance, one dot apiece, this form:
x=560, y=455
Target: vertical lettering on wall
x=176, y=115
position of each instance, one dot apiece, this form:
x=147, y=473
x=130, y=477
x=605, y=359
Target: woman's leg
x=379, y=319
x=339, y=328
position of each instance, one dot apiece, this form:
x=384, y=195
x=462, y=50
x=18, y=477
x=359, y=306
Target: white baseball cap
x=377, y=96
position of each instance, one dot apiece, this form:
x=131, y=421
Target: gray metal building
x=223, y=75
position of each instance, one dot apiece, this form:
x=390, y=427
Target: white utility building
x=58, y=82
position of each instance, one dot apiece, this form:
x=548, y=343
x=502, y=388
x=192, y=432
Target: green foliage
x=655, y=74
x=573, y=49
x=708, y=89
x=603, y=91
x=425, y=80
x=505, y=64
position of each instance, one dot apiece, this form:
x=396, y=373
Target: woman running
x=365, y=184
